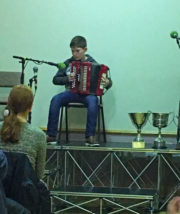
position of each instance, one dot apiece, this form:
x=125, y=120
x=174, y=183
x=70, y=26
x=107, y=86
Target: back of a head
x=78, y=41
x=19, y=101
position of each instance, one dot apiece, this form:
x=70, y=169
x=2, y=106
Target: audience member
x=16, y=134
x=7, y=205
x=174, y=206
x=3, y=171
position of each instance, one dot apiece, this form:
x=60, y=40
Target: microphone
x=61, y=65
x=58, y=65
x=35, y=69
x=174, y=35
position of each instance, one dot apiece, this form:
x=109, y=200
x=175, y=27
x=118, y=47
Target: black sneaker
x=90, y=141
x=51, y=139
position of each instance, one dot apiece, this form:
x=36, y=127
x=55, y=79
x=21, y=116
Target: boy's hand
x=71, y=76
x=104, y=81
x=174, y=206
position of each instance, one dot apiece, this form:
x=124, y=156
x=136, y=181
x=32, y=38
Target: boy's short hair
x=78, y=41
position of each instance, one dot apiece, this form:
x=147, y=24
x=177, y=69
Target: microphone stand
x=33, y=60
x=22, y=73
x=178, y=131
x=31, y=80
x=22, y=61
x=34, y=78
x=177, y=40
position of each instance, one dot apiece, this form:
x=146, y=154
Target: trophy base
x=138, y=144
x=159, y=143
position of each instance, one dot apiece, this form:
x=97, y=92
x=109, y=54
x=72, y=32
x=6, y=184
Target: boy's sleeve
x=110, y=84
x=60, y=78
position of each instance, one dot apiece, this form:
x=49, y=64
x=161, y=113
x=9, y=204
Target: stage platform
x=105, y=197
x=110, y=146
x=114, y=166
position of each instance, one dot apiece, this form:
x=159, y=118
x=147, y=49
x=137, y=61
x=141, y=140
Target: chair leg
x=103, y=123
x=60, y=124
x=99, y=131
x=66, y=119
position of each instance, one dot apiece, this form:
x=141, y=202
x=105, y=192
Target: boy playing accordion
x=78, y=47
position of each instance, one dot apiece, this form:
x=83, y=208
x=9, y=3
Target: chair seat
x=75, y=105
x=80, y=105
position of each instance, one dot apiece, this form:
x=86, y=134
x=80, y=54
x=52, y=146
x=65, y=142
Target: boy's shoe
x=50, y=139
x=90, y=141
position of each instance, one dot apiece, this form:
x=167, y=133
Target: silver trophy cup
x=139, y=120
x=160, y=120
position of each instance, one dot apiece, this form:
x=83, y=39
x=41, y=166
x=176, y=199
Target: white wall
x=131, y=37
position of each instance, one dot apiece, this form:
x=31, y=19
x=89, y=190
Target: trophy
x=139, y=120
x=160, y=120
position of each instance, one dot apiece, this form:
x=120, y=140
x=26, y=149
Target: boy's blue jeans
x=66, y=97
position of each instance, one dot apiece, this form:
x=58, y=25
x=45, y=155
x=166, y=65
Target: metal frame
x=112, y=152
x=110, y=197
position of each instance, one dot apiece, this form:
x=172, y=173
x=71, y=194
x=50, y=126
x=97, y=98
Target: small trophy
x=160, y=120
x=139, y=120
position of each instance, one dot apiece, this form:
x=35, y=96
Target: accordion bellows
x=87, y=78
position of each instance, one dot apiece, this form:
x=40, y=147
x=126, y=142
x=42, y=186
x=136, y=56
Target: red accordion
x=87, y=78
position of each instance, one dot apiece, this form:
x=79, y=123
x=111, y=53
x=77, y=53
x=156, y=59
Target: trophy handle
x=173, y=116
x=150, y=112
x=176, y=117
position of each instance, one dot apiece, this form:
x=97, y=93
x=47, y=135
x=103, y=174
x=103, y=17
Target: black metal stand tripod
x=178, y=131
x=23, y=61
x=30, y=84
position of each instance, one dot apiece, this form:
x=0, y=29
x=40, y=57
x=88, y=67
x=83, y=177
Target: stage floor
x=112, y=146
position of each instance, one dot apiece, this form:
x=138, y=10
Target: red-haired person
x=17, y=135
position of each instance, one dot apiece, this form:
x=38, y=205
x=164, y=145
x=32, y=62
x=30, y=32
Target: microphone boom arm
x=35, y=60
x=24, y=59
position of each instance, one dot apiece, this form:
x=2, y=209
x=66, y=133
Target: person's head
x=174, y=205
x=78, y=47
x=20, y=102
x=20, y=99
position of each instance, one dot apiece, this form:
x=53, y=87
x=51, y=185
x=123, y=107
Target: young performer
x=78, y=47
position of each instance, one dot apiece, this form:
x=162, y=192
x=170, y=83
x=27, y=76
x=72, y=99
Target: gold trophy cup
x=139, y=120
